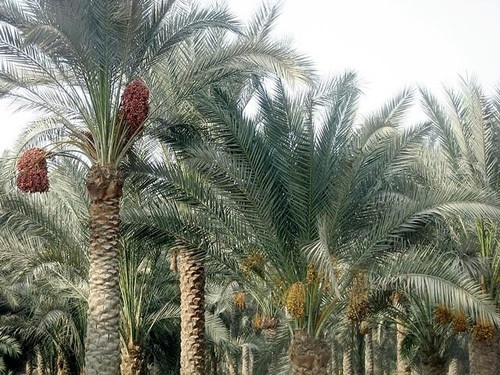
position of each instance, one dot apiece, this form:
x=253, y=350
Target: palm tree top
x=76, y=72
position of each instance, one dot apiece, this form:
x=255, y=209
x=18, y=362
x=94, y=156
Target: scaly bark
x=102, y=345
x=433, y=364
x=29, y=368
x=212, y=365
x=308, y=354
x=231, y=366
x=192, y=285
x=457, y=367
x=132, y=360
x=40, y=365
x=368, y=353
x=434, y=368
x=378, y=354
x=483, y=357
x=403, y=368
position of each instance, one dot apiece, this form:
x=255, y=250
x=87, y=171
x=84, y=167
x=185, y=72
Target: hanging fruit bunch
x=134, y=108
x=254, y=262
x=239, y=300
x=32, y=171
x=257, y=322
x=483, y=331
x=442, y=315
x=296, y=300
x=312, y=275
x=459, y=322
x=358, y=308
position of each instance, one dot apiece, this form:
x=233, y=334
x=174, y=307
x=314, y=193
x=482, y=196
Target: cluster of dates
x=32, y=171
x=134, y=108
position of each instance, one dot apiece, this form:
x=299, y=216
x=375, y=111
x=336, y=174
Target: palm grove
x=203, y=202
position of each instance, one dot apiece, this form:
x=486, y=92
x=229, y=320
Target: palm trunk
x=434, y=368
x=457, y=367
x=154, y=368
x=212, y=366
x=309, y=355
x=132, y=362
x=192, y=285
x=347, y=368
x=378, y=355
x=102, y=345
x=368, y=353
x=483, y=357
x=403, y=368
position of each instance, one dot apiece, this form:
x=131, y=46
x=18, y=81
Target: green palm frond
x=427, y=273
x=9, y=345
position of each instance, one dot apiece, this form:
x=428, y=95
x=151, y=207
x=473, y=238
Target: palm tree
x=181, y=213
x=149, y=300
x=44, y=270
x=9, y=347
x=53, y=233
x=279, y=164
x=82, y=75
x=466, y=124
x=214, y=61
x=429, y=341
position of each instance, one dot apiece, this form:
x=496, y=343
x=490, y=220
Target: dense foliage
x=245, y=216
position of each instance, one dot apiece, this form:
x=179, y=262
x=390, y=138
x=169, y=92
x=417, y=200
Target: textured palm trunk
x=308, y=354
x=483, y=358
x=368, y=353
x=192, y=285
x=132, y=360
x=457, y=367
x=434, y=368
x=154, y=368
x=102, y=345
x=378, y=355
x=347, y=368
x=403, y=368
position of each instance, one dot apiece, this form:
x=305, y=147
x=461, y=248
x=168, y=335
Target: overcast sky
x=391, y=43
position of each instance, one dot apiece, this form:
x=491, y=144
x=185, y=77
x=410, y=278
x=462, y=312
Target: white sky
x=391, y=43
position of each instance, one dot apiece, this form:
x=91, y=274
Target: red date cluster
x=32, y=171
x=134, y=107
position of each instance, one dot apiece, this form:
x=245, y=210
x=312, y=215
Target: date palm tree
x=149, y=300
x=43, y=250
x=9, y=347
x=185, y=215
x=312, y=185
x=427, y=342
x=466, y=123
x=78, y=74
